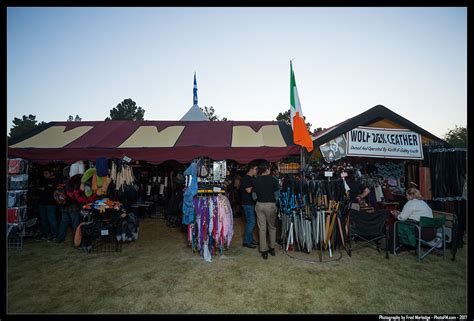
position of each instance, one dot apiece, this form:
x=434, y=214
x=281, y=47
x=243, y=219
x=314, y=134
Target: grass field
x=159, y=274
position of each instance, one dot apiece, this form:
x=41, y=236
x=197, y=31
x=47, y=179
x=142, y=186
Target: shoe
x=271, y=251
x=53, y=239
x=265, y=255
x=255, y=243
x=434, y=241
x=250, y=246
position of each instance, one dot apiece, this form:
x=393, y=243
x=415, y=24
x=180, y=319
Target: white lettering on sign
x=384, y=142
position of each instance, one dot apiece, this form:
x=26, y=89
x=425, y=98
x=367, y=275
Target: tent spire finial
x=195, y=91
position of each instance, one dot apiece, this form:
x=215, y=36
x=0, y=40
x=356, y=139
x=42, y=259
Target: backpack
x=59, y=194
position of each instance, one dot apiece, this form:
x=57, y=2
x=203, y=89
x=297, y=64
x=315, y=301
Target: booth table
x=390, y=205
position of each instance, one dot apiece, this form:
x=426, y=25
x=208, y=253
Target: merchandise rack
x=17, y=202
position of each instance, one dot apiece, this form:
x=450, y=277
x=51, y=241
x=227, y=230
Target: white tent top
x=194, y=114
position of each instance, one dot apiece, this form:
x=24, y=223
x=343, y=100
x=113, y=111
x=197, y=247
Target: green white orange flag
x=300, y=132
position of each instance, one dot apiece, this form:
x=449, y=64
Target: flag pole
x=302, y=170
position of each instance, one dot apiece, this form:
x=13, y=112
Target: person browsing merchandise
x=47, y=206
x=70, y=212
x=265, y=192
x=248, y=205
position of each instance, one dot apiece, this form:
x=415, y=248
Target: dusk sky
x=85, y=61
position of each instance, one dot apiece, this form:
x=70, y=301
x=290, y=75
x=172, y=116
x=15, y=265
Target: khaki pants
x=266, y=215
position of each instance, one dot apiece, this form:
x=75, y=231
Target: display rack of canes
x=307, y=226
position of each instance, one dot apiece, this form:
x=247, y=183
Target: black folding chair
x=369, y=227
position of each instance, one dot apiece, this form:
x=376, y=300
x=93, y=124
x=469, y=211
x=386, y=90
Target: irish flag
x=300, y=132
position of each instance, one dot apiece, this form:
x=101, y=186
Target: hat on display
x=76, y=168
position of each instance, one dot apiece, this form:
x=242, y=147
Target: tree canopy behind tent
x=71, y=118
x=23, y=125
x=457, y=137
x=211, y=114
x=285, y=116
x=127, y=110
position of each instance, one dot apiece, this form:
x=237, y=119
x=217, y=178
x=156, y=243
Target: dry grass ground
x=159, y=274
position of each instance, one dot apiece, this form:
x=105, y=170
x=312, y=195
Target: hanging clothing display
x=17, y=166
x=76, y=168
x=394, y=174
x=374, y=183
x=122, y=183
x=213, y=226
x=189, y=193
x=448, y=170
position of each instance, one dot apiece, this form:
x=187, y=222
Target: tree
x=285, y=116
x=457, y=137
x=317, y=130
x=126, y=110
x=23, y=125
x=77, y=118
x=211, y=114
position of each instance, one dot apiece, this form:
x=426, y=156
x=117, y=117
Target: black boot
x=271, y=251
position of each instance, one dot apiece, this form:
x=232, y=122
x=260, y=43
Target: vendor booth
x=390, y=153
x=147, y=159
x=384, y=139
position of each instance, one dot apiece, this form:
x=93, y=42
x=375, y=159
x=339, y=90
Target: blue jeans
x=249, y=211
x=67, y=219
x=48, y=220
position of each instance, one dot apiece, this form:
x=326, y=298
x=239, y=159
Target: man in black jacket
x=248, y=205
x=265, y=190
x=47, y=206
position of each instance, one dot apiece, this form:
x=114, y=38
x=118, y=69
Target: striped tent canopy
x=156, y=141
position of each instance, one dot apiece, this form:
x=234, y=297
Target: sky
x=85, y=61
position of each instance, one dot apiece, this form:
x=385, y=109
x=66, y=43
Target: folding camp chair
x=409, y=233
x=451, y=230
x=368, y=227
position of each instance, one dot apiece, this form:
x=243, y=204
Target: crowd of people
x=48, y=205
x=256, y=193
x=259, y=190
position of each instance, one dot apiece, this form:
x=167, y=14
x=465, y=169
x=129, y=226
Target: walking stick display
x=311, y=218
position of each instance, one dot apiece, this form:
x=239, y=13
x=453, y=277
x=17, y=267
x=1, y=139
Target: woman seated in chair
x=415, y=208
